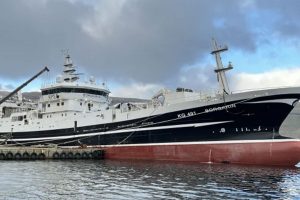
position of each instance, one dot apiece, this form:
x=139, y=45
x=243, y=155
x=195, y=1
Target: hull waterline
x=276, y=153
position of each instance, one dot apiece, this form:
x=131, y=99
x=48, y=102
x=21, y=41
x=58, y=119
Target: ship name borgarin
x=220, y=108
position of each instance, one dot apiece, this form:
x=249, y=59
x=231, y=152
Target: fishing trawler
x=250, y=127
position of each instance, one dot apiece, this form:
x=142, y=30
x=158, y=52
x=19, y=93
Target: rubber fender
x=77, y=155
x=85, y=155
x=55, y=155
x=33, y=156
x=2, y=156
x=97, y=154
x=25, y=155
x=70, y=155
x=63, y=155
x=41, y=156
x=9, y=155
x=18, y=156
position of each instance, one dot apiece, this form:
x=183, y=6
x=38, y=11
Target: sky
x=140, y=46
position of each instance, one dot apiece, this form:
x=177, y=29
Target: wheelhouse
x=75, y=90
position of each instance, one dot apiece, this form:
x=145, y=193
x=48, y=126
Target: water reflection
x=144, y=180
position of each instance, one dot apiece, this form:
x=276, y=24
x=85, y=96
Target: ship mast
x=220, y=70
x=69, y=70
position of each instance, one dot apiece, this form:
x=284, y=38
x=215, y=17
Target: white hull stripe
x=117, y=131
x=287, y=101
x=228, y=142
x=208, y=142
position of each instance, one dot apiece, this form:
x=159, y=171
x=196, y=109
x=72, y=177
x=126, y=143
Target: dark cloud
x=146, y=41
x=151, y=40
x=33, y=33
x=286, y=14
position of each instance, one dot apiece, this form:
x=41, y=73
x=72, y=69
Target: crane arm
x=23, y=85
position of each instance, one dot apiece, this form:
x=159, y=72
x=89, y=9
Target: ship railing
x=203, y=96
x=20, y=110
x=138, y=106
x=259, y=89
x=46, y=84
x=209, y=95
x=87, y=83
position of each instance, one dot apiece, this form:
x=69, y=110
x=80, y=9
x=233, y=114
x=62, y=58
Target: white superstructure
x=61, y=105
x=69, y=95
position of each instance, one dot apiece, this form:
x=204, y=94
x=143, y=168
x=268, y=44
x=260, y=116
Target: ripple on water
x=144, y=180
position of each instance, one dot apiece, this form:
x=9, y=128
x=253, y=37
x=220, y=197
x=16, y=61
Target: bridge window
x=74, y=90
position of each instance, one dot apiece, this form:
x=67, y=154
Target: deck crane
x=23, y=85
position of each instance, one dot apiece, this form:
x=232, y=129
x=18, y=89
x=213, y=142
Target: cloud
x=286, y=15
x=270, y=79
x=34, y=33
x=150, y=42
x=197, y=77
x=141, y=40
x=6, y=87
x=137, y=90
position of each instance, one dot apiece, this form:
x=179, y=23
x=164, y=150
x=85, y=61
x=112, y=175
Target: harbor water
x=108, y=179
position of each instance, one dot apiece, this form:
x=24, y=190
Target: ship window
x=74, y=90
x=57, y=104
x=62, y=103
x=48, y=105
x=81, y=103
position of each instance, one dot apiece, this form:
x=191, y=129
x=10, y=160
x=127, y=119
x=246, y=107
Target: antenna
x=65, y=52
x=69, y=71
x=220, y=70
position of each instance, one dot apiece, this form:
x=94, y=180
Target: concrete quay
x=43, y=153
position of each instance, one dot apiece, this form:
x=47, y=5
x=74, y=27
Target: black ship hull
x=237, y=120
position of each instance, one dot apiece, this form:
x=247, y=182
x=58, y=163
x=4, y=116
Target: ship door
x=113, y=114
x=75, y=126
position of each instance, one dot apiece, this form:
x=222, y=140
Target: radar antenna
x=69, y=72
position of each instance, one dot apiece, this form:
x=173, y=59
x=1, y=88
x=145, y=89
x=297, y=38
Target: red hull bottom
x=281, y=153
